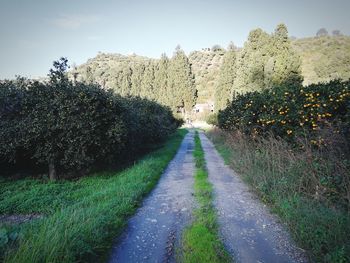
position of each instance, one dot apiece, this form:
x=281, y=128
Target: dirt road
x=156, y=228
x=249, y=231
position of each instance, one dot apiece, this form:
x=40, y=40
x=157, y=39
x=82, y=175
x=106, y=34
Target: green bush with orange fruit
x=291, y=111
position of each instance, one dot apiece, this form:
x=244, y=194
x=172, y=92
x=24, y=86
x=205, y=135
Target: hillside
x=205, y=67
x=324, y=58
x=104, y=67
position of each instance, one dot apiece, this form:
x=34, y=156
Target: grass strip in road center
x=201, y=242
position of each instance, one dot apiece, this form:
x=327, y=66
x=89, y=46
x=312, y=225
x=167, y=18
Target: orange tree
x=290, y=111
x=71, y=128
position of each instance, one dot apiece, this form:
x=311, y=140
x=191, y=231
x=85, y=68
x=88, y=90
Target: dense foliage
x=71, y=127
x=226, y=79
x=147, y=123
x=181, y=82
x=289, y=140
x=291, y=111
x=265, y=61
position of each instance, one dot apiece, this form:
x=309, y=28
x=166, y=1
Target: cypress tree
x=181, y=82
x=224, y=87
x=137, y=70
x=267, y=61
x=123, y=81
x=161, y=80
x=251, y=62
x=147, y=83
x=284, y=66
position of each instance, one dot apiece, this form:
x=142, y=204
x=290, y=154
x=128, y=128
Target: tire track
x=249, y=231
x=155, y=229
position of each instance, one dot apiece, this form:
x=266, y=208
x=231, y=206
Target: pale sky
x=37, y=32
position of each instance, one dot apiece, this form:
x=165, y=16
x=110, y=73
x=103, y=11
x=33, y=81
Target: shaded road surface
x=249, y=231
x=156, y=227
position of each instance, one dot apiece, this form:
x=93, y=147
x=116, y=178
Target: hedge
x=291, y=111
x=71, y=128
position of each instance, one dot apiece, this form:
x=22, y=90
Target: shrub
x=147, y=122
x=67, y=127
x=291, y=111
x=71, y=127
x=212, y=119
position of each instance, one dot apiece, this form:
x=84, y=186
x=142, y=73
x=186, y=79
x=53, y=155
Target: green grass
x=81, y=217
x=320, y=228
x=201, y=242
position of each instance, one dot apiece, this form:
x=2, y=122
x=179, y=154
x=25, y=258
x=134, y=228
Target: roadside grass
x=81, y=218
x=201, y=242
x=288, y=181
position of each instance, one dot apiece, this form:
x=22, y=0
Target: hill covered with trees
x=265, y=61
x=206, y=66
x=324, y=58
x=216, y=74
x=169, y=81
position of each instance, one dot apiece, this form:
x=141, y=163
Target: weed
x=308, y=189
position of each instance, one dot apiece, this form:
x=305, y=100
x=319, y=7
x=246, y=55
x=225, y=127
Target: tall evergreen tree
x=161, y=80
x=251, y=62
x=137, y=70
x=181, y=82
x=267, y=61
x=123, y=80
x=284, y=65
x=147, y=83
x=224, y=87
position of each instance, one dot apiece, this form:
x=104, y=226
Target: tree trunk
x=52, y=171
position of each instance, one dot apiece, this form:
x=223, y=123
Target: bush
x=147, y=122
x=291, y=111
x=71, y=127
x=298, y=159
x=212, y=119
x=67, y=127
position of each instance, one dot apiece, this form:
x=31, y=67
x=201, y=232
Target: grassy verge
x=293, y=184
x=81, y=217
x=200, y=240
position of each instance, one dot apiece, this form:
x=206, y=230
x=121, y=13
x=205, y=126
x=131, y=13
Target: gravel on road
x=156, y=228
x=249, y=231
